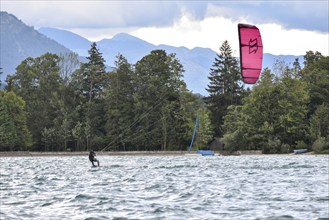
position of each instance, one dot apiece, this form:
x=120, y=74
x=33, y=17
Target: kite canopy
x=251, y=52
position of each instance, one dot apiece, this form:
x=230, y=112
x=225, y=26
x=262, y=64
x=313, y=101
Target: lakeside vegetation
x=55, y=103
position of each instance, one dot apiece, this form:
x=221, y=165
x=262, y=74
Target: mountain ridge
x=75, y=40
x=19, y=41
x=196, y=62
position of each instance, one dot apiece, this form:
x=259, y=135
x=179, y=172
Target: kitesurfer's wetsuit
x=92, y=158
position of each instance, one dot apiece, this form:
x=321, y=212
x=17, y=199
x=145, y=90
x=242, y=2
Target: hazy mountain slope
x=19, y=41
x=270, y=59
x=75, y=42
x=197, y=62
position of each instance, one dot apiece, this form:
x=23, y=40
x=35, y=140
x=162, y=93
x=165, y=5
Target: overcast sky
x=287, y=27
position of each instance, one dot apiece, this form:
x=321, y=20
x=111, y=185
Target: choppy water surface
x=165, y=187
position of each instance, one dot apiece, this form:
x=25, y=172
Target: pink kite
x=251, y=52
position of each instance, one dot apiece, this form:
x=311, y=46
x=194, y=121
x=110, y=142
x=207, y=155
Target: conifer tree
x=296, y=68
x=225, y=86
x=119, y=105
x=94, y=73
x=95, y=81
x=90, y=82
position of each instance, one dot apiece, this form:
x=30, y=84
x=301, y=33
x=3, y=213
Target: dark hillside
x=19, y=41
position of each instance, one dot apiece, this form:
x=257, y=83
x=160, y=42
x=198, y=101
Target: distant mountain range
x=19, y=41
x=196, y=62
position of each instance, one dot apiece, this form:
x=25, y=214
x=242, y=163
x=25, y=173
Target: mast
x=195, y=126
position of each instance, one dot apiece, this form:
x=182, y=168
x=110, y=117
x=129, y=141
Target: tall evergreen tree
x=119, y=106
x=225, y=86
x=296, y=69
x=90, y=82
x=95, y=73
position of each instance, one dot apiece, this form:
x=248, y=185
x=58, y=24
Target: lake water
x=165, y=187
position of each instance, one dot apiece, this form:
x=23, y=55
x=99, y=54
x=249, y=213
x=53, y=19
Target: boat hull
x=300, y=151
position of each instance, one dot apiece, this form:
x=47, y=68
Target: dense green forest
x=56, y=103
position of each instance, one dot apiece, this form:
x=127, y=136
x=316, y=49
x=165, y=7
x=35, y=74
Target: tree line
x=56, y=103
x=287, y=109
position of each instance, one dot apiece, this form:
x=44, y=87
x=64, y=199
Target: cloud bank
x=288, y=27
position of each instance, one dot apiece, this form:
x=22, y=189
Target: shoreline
x=126, y=153
x=86, y=153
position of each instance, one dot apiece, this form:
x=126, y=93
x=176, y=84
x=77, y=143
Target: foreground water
x=165, y=187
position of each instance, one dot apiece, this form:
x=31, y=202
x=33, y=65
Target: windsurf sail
x=194, y=131
x=251, y=52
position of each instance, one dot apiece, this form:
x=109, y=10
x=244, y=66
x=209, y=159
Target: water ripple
x=165, y=187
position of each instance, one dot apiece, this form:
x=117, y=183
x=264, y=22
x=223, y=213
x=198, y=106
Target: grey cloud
x=95, y=14
x=309, y=15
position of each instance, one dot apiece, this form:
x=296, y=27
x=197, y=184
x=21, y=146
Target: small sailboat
x=198, y=152
x=300, y=151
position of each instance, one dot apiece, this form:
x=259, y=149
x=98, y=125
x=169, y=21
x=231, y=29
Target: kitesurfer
x=92, y=158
